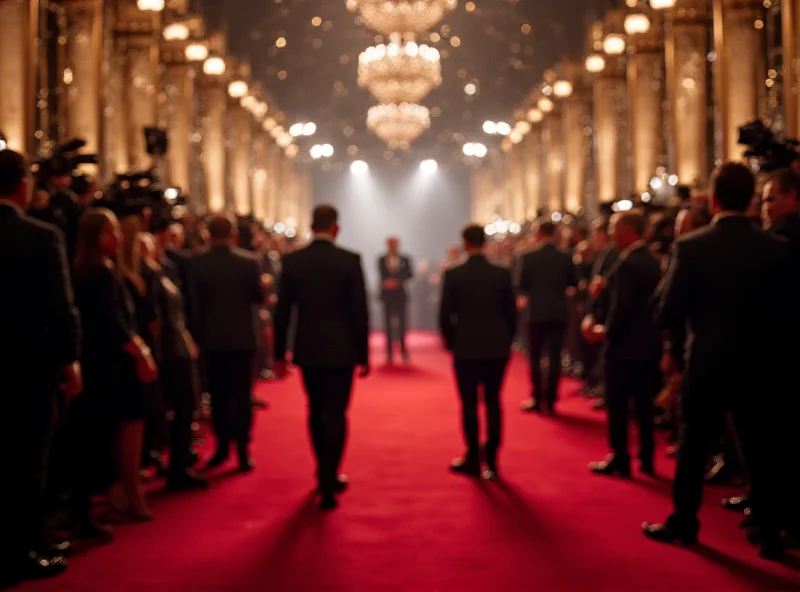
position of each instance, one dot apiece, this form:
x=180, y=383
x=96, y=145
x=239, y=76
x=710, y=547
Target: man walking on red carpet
x=478, y=319
x=324, y=286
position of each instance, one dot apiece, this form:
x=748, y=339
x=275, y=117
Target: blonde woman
x=116, y=361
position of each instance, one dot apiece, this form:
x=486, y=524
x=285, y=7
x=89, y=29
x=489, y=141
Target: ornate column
x=83, y=72
x=645, y=69
x=790, y=23
x=261, y=159
x=552, y=138
x=274, y=181
x=739, y=71
x=610, y=110
x=287, y=202
x=18, y=60
x=516, y=182
x=241, y=138
x=532, y=170
x=179, y=111
x=687, y=84
x=213, y=105
x=574, y=116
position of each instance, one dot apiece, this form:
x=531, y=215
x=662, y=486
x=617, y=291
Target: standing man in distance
x=477, y=320
x=545, y=276
x=633, y=346
x=226, y=288
x=39, y=349
x=325, y=286
x=395, y=270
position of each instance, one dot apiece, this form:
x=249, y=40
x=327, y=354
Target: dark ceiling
x=505, y=45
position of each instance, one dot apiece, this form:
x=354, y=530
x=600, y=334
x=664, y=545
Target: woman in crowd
x=115, y=362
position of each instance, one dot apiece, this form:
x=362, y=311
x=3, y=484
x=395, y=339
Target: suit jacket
x=324, y=286
x=39, y=324
x=544, y=276
x=603, y=264
x=403, y=273
x=225, y=287
x=478, y=313
x=730, y=283
x=631, y=330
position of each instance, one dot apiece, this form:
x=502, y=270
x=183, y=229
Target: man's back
x=225, y=287
x=38, y=321
x=478, y=311
x=325, y=285
x=731, y=282
x=545, y=275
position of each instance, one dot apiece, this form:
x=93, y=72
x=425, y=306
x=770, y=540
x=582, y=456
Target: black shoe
x=216, y=461
x=647, y=468
x=406, y=357
x=37, y=566
x=611, y=466
x=465, y=467
x=246, y=465
x=186, y=480
x=341, y=484
x=663, y=533
x=328, y=502
x=737, y=503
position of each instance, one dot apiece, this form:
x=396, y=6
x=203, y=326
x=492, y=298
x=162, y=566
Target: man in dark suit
x=324, y=286
x=477, y=320
x=39, y=349
x=545, y=276
x=633, y=346
x=395, y=270
x=781, y=201
x=226, y=288
x=731, y=284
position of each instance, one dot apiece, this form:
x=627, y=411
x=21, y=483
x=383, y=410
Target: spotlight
x=556, y=216
x=614, y=44
x=503, y=128
x=238, y=89
x=595, y=63
x=535, y=115
x=176, y=31
x=359, y=167
x=673, y=180
x=196, y=52
x=623, y=205
x=150, y=5
x=428, y=166
x=316, y=152
x=171, y=193
x=656, y=183
x=661, y=4
x=545, y=105
x=480, y=150
x=296, y=130
x=562, y=89
x=309, y=129
x=214, y=66
x=327, y=150
x=490, y=127
x=3, y=142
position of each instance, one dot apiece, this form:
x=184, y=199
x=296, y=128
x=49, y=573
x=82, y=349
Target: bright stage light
x=503, y=128
x=359, y=167
x=196, y=52
x=490, y=127
x=428, y=166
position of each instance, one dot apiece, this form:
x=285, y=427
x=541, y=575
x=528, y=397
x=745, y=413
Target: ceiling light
x=562, y=89
x=502, y=128
x=176, y=32
x=398, y=125
x=150, y=5
x=309, y=129
x=316, y=151
x=196, y=52
x=296, y=130
x=661, y=4
x=327, y=150
x=545, y=105
x=534, y=115
x=595, y=63
x=359, y=167
x=614, y=44
x=238, y=89
x=515, y=137
x=522, y=127
x=408, y=16
x=637, y=23
x=283, y=140
x=400, y=72
x=470, y=89
x=214, y=66
x=428, y=166
x=490, y=127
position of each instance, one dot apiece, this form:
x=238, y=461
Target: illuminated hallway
x=408, y=525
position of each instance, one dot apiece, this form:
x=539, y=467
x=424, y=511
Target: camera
x=136, y=193
x=771, y=153
x=63, y=161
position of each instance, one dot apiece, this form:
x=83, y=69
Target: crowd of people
x=116, y=319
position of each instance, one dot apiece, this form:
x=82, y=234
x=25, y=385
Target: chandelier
x=398, y=125
x=398, y=72
x=401, y=16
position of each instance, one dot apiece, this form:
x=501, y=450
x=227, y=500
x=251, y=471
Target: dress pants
x=230, y=384
x=328, y=391
x=548, y=335
x=25, y=431
x=179, y=379
x=640, y=382
x=761, y=430
x=395, y=309
x=470, y=376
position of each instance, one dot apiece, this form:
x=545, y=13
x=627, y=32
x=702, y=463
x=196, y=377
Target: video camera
x=132, y=194
x=63, y=161
x=771, y=153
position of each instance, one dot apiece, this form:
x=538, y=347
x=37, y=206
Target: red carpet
x=408, y=525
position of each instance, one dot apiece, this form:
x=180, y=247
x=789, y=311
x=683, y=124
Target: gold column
x=645, y=91
x=178, y=109
x=739, y=73
x=516, y=180
x=287, y=200
x=242, y=139
x=260, y=174
x=574, y=111
x=609, y=88
x=274, y=180
x=475, y=203
x=790, y=22
x=553, y=140
x=532, y=170
x=687, y=83
x=18, y=62
x=82, y=76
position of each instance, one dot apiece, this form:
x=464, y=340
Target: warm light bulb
x=359, y=167
x=562, y=89
x=545, y=105
x=309, y=129
x=176, y=32
x=534, y=115
x=196, y=52
x=503, y=128
x=637, y=23
x=238, y=89
x=595, y=63
x=661, y=4
x=428, y=166
x=214, y=66
x=489, y=127
x=614, y=44
x=296, y=130
x=150, y=5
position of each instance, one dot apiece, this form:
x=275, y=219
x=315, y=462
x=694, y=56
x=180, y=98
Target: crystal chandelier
x=401, y=16
x=398, y=125
x=398, y=72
